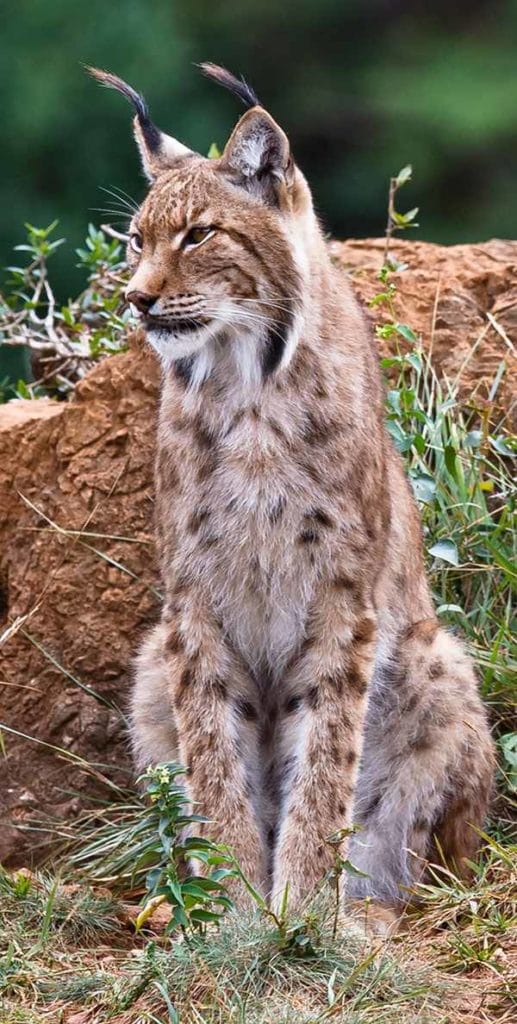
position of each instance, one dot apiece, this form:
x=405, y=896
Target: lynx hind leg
x=427, y=767
x=152, y=726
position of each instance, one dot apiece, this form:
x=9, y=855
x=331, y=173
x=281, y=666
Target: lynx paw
x=375, y=920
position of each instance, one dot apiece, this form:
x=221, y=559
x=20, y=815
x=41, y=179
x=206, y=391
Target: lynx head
x=218, y=248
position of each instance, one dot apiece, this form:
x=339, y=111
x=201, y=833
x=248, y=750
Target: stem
x=336, y=909
x=390, y=225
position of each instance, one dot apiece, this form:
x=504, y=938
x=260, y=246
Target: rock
x=77, y=579
x=461, y=299
x=78, y=582
x=21, y=410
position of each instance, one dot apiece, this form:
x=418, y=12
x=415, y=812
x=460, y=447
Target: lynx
x=298, y=671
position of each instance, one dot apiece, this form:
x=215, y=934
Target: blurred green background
x=361, y=86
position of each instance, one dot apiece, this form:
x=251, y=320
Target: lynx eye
x=197, y=235
x=135, y=242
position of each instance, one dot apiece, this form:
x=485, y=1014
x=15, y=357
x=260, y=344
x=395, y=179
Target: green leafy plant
x=156, y=848
x=63, y=340
x=196, y=900
x=341, y=866
x=398, y=221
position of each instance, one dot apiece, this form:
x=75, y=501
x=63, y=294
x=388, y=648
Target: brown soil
x=77, y=592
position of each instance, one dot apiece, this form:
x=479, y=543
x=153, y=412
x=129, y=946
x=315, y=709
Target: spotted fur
x=298, y=669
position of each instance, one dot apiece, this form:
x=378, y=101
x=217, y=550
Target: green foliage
x=63, y=341
x=462, y=471
x=465, y=486
x=398, y=221
x=154, y=846
x=508, y=748
x=196, y=901
x=238, y=972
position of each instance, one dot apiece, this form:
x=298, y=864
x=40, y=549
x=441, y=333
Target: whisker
x=268, y=302
x=122, y=209
x=128, y=203
x=245, y=321
x=249, y=317
x=122, y=192
x=117, y=214
x=234, y=308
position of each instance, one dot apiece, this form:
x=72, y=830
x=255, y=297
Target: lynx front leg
x=215, y=715
x=324, y=708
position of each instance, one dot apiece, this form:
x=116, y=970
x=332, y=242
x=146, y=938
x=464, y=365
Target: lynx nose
x=141, y=300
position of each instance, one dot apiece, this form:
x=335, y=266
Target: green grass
x=239, y=972
x=62, y=948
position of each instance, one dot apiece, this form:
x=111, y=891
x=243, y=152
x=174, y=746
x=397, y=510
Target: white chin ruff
x=170, y=346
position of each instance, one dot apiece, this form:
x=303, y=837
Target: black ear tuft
x=238, y=86
x=150, y=132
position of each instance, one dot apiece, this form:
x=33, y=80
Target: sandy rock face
x=461, y=299
x=78, y=582
x=78, y=586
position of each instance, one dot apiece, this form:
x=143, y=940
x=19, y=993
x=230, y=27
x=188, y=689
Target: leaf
x=415, y=360
x=451, y=463
x=173, y=1013
x=411, y=214
x=153, y=879
x=378, y=299
x=173, y=889
x=385, y=331
x=221, y=873
x=331, y=992
x=179, y=917
x=148, y=911
x=397, y=267
x=473, y=439
x=389, y=361
x=199, y=894
x=214, y=152
x=504, y=445
x=404, y=176
x=406, y=332
x=508, y=745
x=450, y=608
x=445, y=550
x=22, y=390
x=424, y=487
x=393, y=399
x=419, y=443
x=206, y=916
x=346, y=865
x=401, y=440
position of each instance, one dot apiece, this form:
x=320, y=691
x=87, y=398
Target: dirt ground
x=78, y=583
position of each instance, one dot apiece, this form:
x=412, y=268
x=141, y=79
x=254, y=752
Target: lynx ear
x=157, y=150
x=258, y=153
